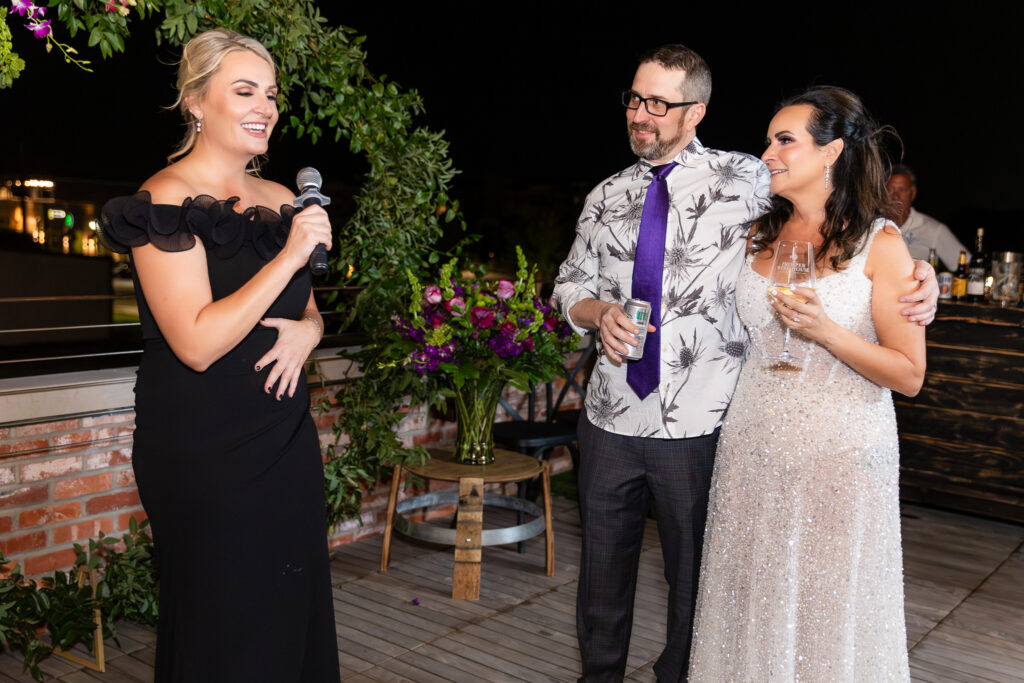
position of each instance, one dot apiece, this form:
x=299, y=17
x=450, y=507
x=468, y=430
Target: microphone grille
x=309, y=176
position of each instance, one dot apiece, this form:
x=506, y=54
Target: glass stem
x=785, y=345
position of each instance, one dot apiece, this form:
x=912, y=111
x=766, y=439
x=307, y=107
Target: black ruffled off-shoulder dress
x=230, y=477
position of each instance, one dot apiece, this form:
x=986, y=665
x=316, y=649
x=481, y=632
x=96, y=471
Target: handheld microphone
x=309, y=181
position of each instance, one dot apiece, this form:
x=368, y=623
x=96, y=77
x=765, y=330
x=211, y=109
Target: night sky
x=529, y=96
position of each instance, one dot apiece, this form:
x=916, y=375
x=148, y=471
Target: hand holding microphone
x=309, y=181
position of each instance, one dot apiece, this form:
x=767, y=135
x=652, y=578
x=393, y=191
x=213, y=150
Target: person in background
x=921, y=232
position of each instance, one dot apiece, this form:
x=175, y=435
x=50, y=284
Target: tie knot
x=661, y=171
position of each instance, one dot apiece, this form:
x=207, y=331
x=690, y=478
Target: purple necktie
x=643, y=375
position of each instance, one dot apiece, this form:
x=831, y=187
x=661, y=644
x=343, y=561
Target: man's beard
x=651, y=150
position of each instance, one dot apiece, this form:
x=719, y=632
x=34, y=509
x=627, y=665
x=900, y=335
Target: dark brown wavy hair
x=859, y=175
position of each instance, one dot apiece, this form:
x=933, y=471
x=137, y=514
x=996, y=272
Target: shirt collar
x=690, y=156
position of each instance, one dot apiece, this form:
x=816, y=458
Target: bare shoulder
x=889, y=253
x=270, y=194
x=168, y=186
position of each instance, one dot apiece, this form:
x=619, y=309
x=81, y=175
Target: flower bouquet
x=472, y=337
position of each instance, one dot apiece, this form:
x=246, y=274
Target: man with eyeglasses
x=671, y=230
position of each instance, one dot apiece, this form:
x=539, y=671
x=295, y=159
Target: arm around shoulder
x=890, y=269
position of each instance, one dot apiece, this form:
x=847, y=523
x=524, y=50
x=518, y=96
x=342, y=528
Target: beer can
x=639, y=312
x=945, y=285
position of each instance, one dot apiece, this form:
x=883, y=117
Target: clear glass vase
x=475, y=403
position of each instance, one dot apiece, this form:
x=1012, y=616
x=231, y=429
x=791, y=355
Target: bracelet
x=319, y=329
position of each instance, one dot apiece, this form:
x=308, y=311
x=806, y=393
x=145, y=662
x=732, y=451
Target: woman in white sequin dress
x=802, y=574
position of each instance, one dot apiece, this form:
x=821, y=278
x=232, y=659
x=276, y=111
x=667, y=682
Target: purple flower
x=550, y=323
x=505, y=289
x=481, y=317
x=40, y=29
x=22, y=6
x=528, y=343
x=36, y=12
x=432, y=294
x=504, y=346
x=456, y=306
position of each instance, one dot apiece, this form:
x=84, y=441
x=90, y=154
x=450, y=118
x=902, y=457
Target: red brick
x=24, y=496
x=50, y=468
x=127, y=430
x=46, y=428
x=81, y=486
x=70, y=448
x=123, y=520
x=19, y=544
x=6, y=524
x=5, y=433
x=80, y=531
x=49, y=514
x=340, y=540
x=324, y=422
x=24, y=446
x=41, y=564
x=7, y=476
x=114, y=501
x=97, y=420
x=125, y=478
x=79, y=437
x=98, y=461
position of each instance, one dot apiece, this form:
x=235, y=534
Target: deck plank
x=964, y=585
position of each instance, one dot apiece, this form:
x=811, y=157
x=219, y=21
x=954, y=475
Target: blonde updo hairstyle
x=200, y=60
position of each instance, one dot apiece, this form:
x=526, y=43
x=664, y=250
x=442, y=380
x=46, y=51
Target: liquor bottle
x=933, y=259
x=960, y=278
x=977, y=272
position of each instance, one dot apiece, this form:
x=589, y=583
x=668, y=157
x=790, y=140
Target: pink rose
x=508, y=327
x=432, y=294
x=481, y=317
x=505, y=289
x=456, y=306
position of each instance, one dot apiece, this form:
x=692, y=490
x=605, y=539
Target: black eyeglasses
x=654, y=106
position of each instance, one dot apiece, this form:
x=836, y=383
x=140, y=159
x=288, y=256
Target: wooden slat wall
x=962, y=437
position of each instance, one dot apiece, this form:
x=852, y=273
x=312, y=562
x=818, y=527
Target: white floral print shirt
x=714, y=198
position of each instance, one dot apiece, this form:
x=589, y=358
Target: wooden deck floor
x=964, y=588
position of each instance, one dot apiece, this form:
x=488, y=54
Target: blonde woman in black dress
x=226, y=455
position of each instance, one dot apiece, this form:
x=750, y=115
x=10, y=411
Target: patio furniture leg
x=385, y=551
x=468, y=549
x=549, y=532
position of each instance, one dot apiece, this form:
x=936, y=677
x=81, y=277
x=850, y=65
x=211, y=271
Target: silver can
x=945, y=286
x=639, y=312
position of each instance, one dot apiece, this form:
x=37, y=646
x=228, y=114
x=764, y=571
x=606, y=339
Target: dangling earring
x=828, y=174
x=199, y=129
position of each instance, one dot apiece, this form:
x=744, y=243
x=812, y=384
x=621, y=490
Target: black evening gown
x=230, y=477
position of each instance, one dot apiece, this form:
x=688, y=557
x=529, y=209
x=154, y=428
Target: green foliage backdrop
x=327, y=95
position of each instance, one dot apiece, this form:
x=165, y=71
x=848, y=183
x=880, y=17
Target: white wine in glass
x=792, y=266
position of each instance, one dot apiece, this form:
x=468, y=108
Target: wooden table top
x=508, y=466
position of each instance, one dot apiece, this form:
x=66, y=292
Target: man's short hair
x=697, y=84
x=903, y=169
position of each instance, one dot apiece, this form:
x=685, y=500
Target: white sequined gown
x=802, y=575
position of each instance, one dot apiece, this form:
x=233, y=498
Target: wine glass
x=792, y=266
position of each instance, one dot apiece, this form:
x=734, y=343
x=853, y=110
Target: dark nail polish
x=257, y=368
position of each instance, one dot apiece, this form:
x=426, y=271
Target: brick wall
x=61, y=482
x=64, y=481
